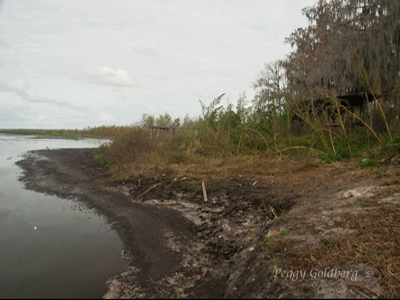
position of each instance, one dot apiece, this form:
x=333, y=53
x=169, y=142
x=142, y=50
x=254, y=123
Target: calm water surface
x=47, y=249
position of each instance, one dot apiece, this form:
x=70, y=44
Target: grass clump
x=284, y=231
x=99, y=158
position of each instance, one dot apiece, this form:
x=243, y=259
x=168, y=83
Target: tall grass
x=330, y=131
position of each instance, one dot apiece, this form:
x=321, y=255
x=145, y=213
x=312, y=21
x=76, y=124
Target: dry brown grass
x=372, y=235
x=372, y=238
x=136, y=154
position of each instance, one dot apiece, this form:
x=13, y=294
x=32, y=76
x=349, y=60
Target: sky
x=72, y=64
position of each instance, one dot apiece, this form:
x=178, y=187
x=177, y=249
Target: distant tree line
x=165, y=120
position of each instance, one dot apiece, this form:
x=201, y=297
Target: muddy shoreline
x=180, y=246
x=177, y=248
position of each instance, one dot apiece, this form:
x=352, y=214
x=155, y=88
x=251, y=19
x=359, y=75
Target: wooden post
x=203, y=185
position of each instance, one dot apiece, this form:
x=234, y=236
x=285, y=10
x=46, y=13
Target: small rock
x=351, y=193
x=125, y=254
x=337, y=219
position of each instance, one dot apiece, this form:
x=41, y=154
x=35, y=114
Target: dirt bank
x=181, y=246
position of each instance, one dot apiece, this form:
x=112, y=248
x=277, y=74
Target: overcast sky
x=73, y=64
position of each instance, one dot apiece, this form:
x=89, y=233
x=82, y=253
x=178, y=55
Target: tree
x=176, y=123
x=270, y=87
x=187, y=121
x=164, y=120
x=147, y=121
x=350, y=46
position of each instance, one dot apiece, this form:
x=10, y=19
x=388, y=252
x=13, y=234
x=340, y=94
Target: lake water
x=48, y=249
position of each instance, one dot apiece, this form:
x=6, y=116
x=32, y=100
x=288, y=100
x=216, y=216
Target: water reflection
x=50, y=247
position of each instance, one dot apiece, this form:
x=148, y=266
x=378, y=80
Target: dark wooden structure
x=159, y=129
x=356, y=103
x=350, y=101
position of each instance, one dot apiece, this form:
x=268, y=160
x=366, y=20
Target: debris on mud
x=246, y=241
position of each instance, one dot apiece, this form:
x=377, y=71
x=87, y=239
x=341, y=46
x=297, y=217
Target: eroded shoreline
x=182, y=247
x=156, y=239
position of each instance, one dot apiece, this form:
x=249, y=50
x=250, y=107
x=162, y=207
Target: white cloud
x=150, y=109
x=46, y=119
x=107, y=118
x=78, y=117
x=3, y=42
x=146, y=51
x=47, y=100
x=173, y=52
x=108, y=76
x=169, y=109
x=20, y=88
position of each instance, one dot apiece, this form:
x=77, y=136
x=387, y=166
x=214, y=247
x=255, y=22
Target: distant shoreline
x=51, y=134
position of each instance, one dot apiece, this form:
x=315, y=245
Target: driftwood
x=148, y=190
